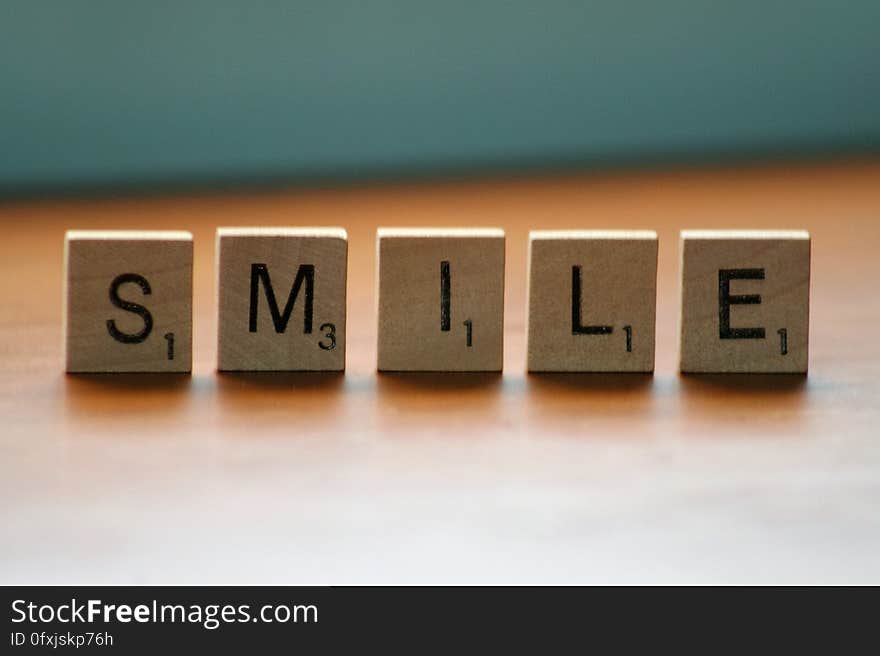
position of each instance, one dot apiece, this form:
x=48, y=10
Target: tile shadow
x=744, y=384
x=266, y=402
x=234, y=381
x=436, y=381
x=103, y=396
x=454, y=401
x=80, y=382
x=745, y=405
x=590, y=382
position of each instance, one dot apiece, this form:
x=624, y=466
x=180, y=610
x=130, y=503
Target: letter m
x=260, y=273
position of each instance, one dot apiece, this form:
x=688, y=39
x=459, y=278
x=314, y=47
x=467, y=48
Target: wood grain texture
x=592, y=301
x=128, y=301
x=302, y=270
x=366, y=477
x=440, y=299
x=745, y=301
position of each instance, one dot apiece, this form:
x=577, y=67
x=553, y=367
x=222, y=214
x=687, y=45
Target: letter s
x=140, y=310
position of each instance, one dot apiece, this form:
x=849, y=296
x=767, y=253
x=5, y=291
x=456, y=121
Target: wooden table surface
x=451, y=478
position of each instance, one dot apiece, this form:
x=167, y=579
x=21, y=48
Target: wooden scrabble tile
x=128, y=301
x=281, y=299
x=441, y=299
x=592, y=301
x=745, y=298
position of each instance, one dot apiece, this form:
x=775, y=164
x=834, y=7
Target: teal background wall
x=192, y=91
